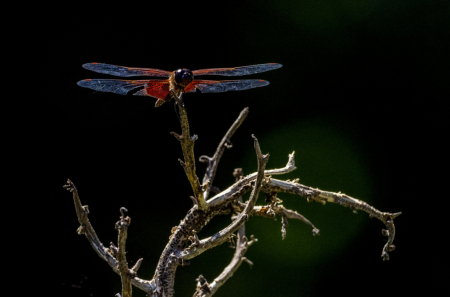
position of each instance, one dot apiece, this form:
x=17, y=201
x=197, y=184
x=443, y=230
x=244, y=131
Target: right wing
x=212, y=86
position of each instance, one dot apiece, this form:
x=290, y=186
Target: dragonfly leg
x=178, y=98
x=176, y=111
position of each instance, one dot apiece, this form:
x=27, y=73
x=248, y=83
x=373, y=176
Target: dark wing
x=237, y=71
x=117, y=86
x=211, y=86
x=125, y=71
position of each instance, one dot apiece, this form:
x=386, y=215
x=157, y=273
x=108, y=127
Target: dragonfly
x=173, y=83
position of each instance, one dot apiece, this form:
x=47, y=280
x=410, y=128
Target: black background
x=361, y=98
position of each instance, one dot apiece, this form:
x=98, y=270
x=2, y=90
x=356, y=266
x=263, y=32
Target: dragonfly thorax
x=183, y=77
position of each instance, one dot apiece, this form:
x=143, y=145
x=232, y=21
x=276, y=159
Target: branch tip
x=113, y=250
x=394, y=215
x=194, y=200
x=69, y=186
x=177, y=136
x=205, y=159
x=228, y=144
x=237, y=173
x=252, y=240
x=81, y=230
x=182, y=163
x=250, y=263
x=137, y=265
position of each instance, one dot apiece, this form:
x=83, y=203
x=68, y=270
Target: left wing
x=125, y=71
x=117, y=86
x=158, y=88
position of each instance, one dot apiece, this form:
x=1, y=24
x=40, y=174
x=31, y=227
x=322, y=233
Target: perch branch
x=214, y=161
x=235, y=190
x=122, y=227
x=187, y=145
x=312, y=194
x=196, y=249
x=104, y=253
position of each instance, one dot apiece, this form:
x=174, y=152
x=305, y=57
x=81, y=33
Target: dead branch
x=104, y=253
x=234, y=191
x=287, y=213
x=312, y=194
x=122, y=227
x=270, y=211
x=225, y=202
x=214, y=161
x=242, y=245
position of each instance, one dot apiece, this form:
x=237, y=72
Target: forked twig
x=312, y=194
x=214, y=161
x=234, y=191
x=104, y=253
x=223, y=235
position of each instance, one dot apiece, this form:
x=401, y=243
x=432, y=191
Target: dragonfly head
x=183, y=77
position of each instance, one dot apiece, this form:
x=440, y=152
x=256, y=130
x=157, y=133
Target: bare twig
x=287, y=213
x=214, y=161
x=222, y=236
x=235, y=190
x=312, y=194
x=122, y=227
x=242, y=245
x=103, y=252
x=134, y=270
x=238, y=174
x=187, y=145
x=270, y=211
x=241, y=248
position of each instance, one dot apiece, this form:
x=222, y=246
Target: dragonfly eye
x=184, y=76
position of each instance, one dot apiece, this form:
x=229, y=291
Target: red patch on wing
x=159, y=90
x=191, y=86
